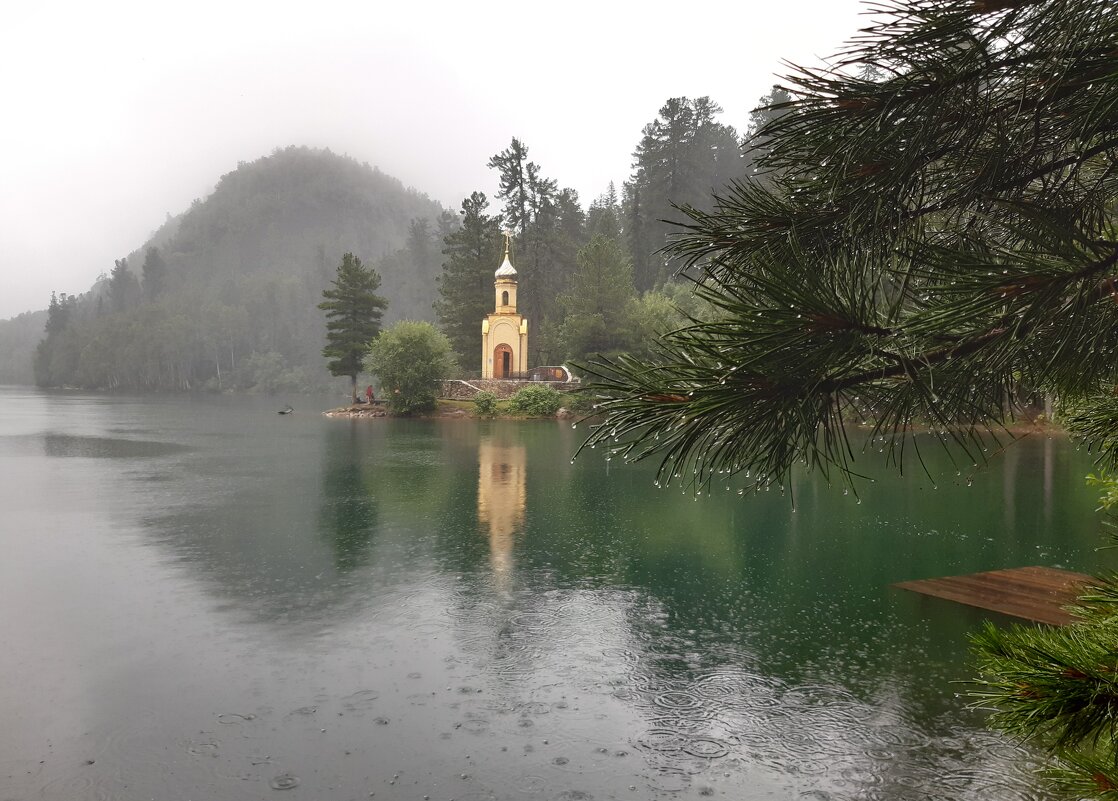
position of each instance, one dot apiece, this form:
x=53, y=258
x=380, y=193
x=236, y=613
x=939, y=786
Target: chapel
x=504, y=332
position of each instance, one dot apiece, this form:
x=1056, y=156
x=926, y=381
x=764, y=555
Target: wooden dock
x=1033, y=593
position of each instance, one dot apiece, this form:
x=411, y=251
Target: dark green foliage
x=581, y=401
x=597, y=305
x=1096, y=423
x=472, y=255
x=604, y=216
x=683, y=156
x=519, y=186
x=548, y=223
x=536, y=400
x=353, y=312
x=409, y=359
x=654, y=314
x=771, y=107
x=922, y=246
x=1059, y=688
x=485, y=403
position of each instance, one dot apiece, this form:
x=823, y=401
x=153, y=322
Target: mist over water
x=202, y=599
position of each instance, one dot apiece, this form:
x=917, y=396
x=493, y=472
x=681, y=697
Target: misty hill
x=225, y=294
x=294, y=211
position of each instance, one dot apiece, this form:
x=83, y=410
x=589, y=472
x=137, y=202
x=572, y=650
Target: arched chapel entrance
x=502, y=361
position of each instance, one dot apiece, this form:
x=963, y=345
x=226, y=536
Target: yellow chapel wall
x=504, y=329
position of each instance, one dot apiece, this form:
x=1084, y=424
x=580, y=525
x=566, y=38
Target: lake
x=202, y=599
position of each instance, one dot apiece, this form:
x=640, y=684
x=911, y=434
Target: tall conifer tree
x=473, y=253
x=597, y=303
x=353, y=312
x=548, y=223
x=684, y=156
x=154, y=272
x=124, y=288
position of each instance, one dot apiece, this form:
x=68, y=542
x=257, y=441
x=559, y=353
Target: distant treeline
x=225, y=295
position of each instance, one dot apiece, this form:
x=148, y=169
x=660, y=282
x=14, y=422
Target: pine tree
x=604, y=215
x=513, y=166
x=154, y=274
x=597, y=303
x=771, y=107
x=932, y=234
x=353, y=313
x=684, y=155
x=55, y=357
x=124, y=288
x=547, y=222
x=473, y=253
x=59, y=313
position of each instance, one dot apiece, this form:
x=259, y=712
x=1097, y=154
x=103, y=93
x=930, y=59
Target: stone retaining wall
x=465, y=390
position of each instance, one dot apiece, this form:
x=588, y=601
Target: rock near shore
x=357, y=410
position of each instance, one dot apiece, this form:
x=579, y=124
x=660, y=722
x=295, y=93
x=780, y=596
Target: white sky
x=114, y=114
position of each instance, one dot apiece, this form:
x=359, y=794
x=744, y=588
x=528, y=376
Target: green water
x=201, y=599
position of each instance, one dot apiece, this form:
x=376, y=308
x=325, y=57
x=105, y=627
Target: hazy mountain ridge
x=244, y=270
x=282, y=213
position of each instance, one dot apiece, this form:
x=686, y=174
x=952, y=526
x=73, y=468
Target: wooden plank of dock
x=1033, y=593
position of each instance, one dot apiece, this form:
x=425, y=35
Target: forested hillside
x=225, y=295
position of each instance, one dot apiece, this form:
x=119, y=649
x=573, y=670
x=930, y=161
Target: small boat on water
x=285, y=410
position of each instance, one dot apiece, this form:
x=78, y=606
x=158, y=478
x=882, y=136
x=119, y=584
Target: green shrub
x=410, y=358
x=536, y=400
x=485, y=403
x=580, y=401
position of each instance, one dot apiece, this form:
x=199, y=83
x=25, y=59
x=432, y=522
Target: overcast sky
x=115, y=114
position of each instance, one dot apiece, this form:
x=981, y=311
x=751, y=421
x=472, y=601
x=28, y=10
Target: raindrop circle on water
x=662, y=740
x=677, y=699
x=706, y=747
x=284, y=782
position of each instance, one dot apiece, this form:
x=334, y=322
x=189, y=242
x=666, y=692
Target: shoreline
x=450, y=411
x=444, y=411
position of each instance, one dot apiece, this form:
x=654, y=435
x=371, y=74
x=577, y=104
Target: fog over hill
x=225, y=293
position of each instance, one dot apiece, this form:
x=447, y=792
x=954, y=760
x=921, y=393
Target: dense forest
x=594, y=280
x=225, y=295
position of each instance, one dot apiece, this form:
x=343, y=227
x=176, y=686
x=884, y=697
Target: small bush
x=410, y=358
x=581, y=401
x=536, y=400
x=485, y=403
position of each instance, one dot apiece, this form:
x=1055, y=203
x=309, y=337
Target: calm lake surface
x=201, y=599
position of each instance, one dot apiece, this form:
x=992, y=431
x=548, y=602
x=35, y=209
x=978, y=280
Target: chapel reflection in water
x=501, y=496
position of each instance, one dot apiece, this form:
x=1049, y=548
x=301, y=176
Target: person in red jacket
x=369, y=393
